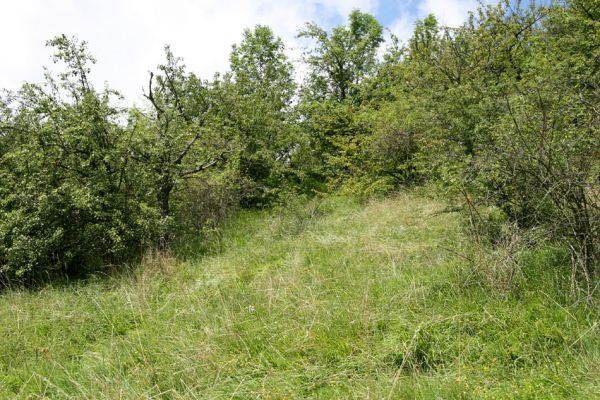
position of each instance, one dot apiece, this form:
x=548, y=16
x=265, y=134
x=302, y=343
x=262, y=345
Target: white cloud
x=449, y=12
x=127, y=37
x=344, y=7
x=403, y=27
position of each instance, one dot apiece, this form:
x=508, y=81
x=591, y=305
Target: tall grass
x=330, y=299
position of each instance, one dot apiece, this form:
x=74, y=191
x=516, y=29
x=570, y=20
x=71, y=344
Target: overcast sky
x=127, y=36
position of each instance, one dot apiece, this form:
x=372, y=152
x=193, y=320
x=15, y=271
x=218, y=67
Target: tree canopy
x=500, y=113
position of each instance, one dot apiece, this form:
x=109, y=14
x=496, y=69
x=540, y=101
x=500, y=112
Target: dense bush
x=68, y=201
x=501, y=112
x=504, y=111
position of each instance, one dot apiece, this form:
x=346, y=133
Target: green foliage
x=503, y=110
x=176, y=139
x=325, y=299
x=340, y=62
x=319, y=296
x=342, y=58
x=260, y=67
x=68, y=201
x=500, y=112
x=258, y=107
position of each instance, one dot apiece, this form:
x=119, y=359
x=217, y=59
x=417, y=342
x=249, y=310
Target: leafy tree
x=342, y=58
x=504, y=110
x=258, y=106
x=174, y=139
x=260, y=66
x=69, y=200
x=339, y=63
x=548, y=139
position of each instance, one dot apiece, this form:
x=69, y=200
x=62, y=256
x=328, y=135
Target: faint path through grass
x=334, y=299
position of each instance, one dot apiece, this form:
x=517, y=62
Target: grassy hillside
x=334, y=299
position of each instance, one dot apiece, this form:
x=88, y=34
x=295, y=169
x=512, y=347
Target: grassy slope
x=335, y=300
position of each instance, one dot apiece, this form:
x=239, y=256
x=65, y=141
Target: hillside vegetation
x=332, y=298
x=501, y=113
x=377, y=219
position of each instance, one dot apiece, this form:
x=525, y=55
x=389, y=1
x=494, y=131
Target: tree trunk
x=163, y=196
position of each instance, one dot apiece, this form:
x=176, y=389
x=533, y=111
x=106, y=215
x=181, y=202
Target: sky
x=127, y=37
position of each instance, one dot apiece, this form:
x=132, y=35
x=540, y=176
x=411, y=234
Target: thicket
x=502, y=112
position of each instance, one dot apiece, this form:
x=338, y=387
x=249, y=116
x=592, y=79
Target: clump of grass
x=334, y=298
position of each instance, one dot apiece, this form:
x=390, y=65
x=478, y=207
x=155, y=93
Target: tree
x=548, y=139
x=258, y=106
x=339, y=62
x=260, y=67
x=504, y=111
x=175, y=139
x=69, y=199
x=342, y=58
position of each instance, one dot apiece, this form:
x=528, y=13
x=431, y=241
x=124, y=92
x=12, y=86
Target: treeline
x=502, y=112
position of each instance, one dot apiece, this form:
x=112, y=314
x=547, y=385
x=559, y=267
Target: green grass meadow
x=332, y=299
